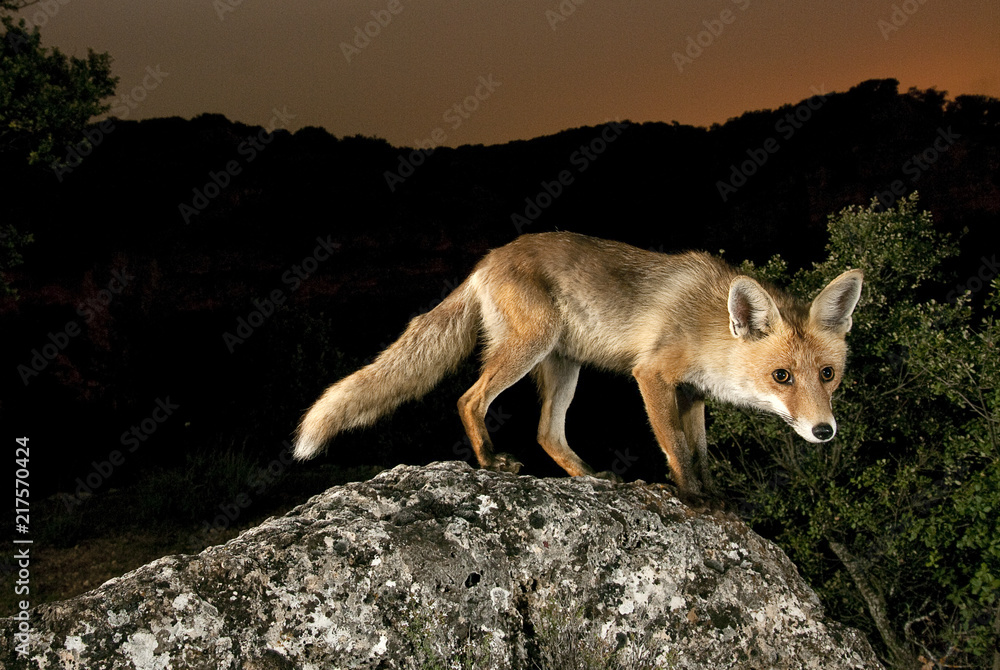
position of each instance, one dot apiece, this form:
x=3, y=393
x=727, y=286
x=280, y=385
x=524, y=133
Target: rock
x=445, y=566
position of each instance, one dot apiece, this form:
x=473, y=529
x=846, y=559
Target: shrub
x=894, y=522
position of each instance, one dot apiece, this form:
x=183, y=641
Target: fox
x=686, y=326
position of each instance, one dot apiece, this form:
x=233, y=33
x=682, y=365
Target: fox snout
x=823, y=431
x=816, y=433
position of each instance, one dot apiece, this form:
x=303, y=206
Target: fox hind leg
x=502, y=368
x=556, y=377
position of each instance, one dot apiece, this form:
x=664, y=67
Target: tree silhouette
x=46, y=97
x=46, y=100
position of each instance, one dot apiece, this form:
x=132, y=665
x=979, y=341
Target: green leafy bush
x=46, y=97
x=894, y=522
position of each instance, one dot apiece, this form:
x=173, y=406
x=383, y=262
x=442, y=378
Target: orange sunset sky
x=515, y=69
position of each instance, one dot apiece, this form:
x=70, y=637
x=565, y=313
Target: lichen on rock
x=446, y=566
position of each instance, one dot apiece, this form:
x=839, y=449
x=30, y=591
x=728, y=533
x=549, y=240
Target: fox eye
x=827, y=374
x=782, y=376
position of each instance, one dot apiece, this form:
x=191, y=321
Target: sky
x=453, y=72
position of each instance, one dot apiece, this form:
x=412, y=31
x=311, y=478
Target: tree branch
x=902, y=656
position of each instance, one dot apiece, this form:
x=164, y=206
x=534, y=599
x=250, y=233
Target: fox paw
x=506, y=463
x=608, y=475
x=702, y=501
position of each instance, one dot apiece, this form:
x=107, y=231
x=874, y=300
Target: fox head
x=791, y=355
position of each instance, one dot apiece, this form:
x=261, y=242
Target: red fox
x=685, y=326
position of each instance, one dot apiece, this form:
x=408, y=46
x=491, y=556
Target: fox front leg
x=691, y=407
x=660, y=396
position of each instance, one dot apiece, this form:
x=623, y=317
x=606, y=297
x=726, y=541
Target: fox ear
x=832, y=308
x=752, y=311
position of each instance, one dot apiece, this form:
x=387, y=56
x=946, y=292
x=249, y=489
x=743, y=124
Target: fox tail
x=433, y=344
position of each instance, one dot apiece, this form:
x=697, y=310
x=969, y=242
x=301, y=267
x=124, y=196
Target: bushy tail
x=432, y=345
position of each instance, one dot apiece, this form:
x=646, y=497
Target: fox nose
x=823, y=431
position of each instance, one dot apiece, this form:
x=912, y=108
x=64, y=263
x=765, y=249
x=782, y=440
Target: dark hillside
x=238, y=272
